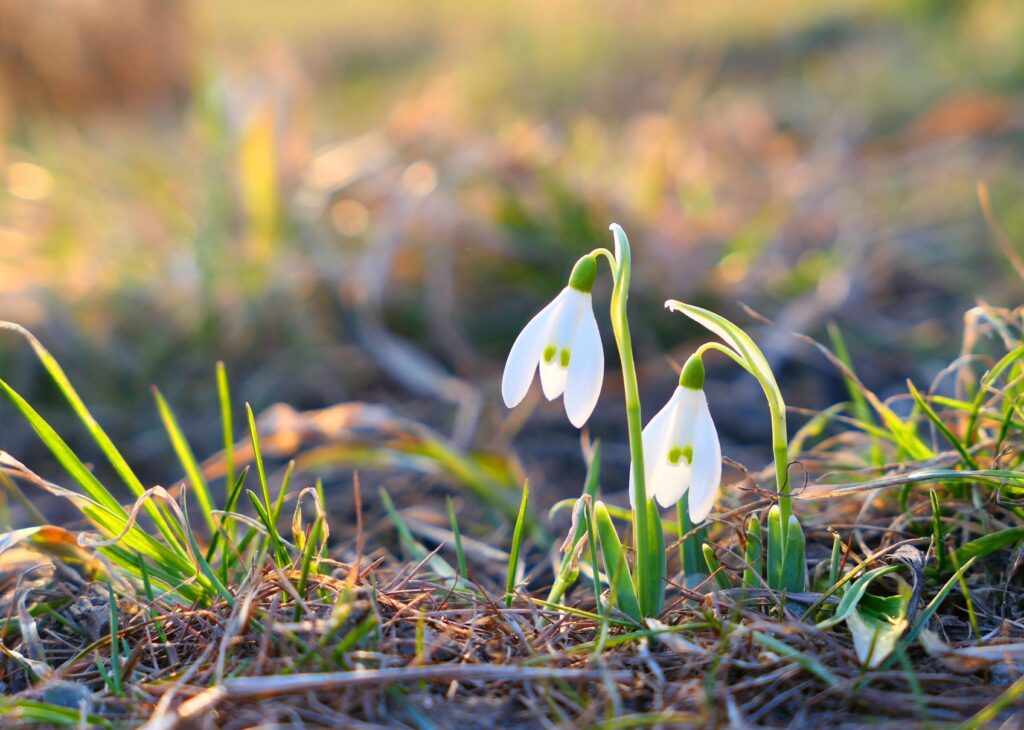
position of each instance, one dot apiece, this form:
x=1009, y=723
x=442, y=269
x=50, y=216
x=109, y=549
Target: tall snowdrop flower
x=681, y=447
x=564, y=342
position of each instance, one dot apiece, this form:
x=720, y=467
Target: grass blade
x=410, y=543
x=227, y=426
x=460, y=554
x=188, y=460
x=928, y=411
x=165, y=523
x=517, y=544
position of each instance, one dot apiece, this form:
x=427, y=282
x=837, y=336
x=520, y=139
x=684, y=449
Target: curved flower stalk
x=563, y=342
x=681, y=447
x=648, y=538
x=786, y=568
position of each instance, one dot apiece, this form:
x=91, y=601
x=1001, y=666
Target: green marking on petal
x=677, y=454
x=565, y=357
x=549, y=353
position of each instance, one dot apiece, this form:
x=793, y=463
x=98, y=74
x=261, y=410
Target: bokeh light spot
x=28, y=181
x=420, y=179
x=350, y=217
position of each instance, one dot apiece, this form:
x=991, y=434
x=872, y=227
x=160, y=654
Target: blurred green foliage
x=438, y=166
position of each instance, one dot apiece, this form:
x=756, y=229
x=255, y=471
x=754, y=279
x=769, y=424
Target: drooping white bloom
x=681, y=448
x=564, y=342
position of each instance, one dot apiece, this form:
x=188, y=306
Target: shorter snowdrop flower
x=681, y=447
x=564, y=342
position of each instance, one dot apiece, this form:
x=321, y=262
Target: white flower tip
x=664, y=503
x=699, y=512
x=511, y=401
x=578, y=418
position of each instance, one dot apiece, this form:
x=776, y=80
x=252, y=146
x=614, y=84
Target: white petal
x=563, y=328
x=586, y=369
x=560, y=336
x=526, y=353
x=656, y=434
x=670, y=481
x=552, y=378
x=707, y=466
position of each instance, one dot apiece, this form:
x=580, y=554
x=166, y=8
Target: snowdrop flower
x=564, y=342
x=681, y=447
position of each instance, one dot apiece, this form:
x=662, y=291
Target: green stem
x=780, y=438
x=780, y=450
x=646, y=564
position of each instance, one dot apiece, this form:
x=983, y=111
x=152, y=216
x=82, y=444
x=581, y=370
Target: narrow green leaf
x=165, y=522
x=714, y=568
x=63, y=453
x=860, y=403
x=990, y=377
x=836, y=562
x=309, y=550
x=353, y=637
x=227, y=425
x=938, y=537
x=592, y=543
x=410, y=543
x=267, y=512
x=776, y=548
x=926, y=615
x=656, y=536
x=988, y=544
x=566, y=576
x=30, y=711
x=808, y=663
x=187, y=459
x=226, y=527
x=273, y=539
x=965, y=456
x=853, y=595
x=736, y=338
x=115, y=644
x=753, y=554
x=794, y=563
x=615, y=565
x=460, y=554
x=517, y=544
x=258, y=456
x=690, y=555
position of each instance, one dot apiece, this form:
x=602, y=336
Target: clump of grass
x=912, y=524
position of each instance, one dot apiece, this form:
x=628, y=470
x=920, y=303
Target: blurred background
x=365, y=201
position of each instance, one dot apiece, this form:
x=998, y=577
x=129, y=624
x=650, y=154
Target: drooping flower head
x=681, y=448
x=564, y=342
